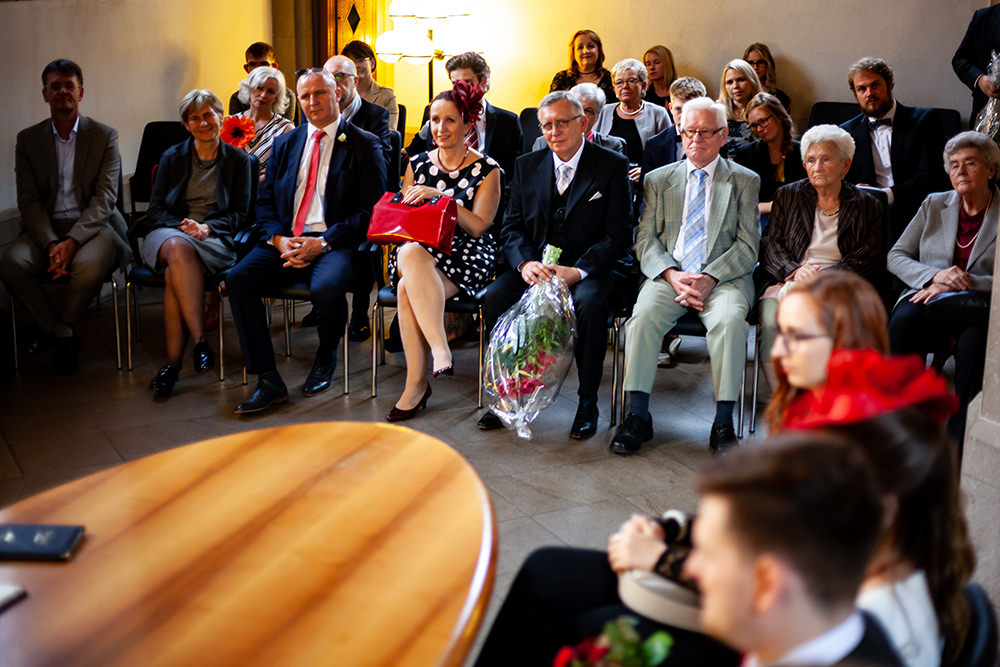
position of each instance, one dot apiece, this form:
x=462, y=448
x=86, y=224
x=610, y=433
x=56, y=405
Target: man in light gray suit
x=697, y=246
x=67, y=170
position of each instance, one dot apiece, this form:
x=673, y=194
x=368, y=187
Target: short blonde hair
x=257, y=78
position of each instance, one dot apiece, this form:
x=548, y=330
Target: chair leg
x=615, y=332
x=13, y=327
x=756, y=380
x=347, y=361
x=118, y=333
x=376, y=336
x=621, y=392
x=288, y=327
x=222, y=343
x=743, y=393
x=129, y=291
x=482, y=340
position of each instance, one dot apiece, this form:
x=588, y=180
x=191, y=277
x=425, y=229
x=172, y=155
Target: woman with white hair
x=264, y=90
x=592, y=100
x=631, y=118
x=817, y=223
x=738, y=86
x=949, y=247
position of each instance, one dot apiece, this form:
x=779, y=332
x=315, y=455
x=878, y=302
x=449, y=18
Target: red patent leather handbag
x=431, y=222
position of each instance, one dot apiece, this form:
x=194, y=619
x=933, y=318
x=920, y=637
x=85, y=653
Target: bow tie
x=873, y=124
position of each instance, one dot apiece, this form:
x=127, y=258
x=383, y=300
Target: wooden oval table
x=333, y=543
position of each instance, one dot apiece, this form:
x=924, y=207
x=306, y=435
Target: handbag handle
x=398, y=197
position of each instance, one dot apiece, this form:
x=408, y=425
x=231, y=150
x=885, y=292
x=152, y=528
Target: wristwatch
x=324, y=246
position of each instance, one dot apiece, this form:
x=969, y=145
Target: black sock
x=724, y=412
x=272, y=378
x=638, y=404
x=587, y=402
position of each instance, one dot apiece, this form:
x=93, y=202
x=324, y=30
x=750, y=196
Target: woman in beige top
x=370, y=91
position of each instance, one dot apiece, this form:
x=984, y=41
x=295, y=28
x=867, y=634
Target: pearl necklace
x=623, y=112
x=963, y=247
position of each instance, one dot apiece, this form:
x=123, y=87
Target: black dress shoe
x=401, y=415
x=359, y=330
x=40, y=343
x=264, y=396
x=203, y=356
x=66, y=349
x=634, y=431
x=319, y=377
x=585, y=421
x=723, y=438
x=163, y=383
x=448, y=370
x=489, y=422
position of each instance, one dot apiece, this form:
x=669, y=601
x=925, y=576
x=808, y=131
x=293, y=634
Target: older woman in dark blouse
x=200, y=199
x=817, y=223
x=775, y=157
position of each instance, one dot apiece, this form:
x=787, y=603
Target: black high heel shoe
x=400, y=415
x=163, y=383
x=447, y=370
x=203, y=356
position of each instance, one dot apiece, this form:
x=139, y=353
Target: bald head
x=343, y=70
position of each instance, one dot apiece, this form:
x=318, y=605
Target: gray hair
x=198, y=98
x=590, y=92
x=557, y=95
x=988, y=149
x=328, y=79
x=702, y=104
x=833, y=134
x=630, y=65
x=257, y=78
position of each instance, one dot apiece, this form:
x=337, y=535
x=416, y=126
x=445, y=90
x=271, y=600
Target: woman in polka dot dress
x=424, y=277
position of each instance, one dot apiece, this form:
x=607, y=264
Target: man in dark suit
x=261, y=54
x=897, y=148
x=322, y=181
x=67, y=170
x=375, y=119
x=971, y=61
x=573, y=195
x=784, y=534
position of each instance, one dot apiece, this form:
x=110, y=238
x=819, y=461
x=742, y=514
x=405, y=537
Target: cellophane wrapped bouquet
x=988, y=121
x=531, y=351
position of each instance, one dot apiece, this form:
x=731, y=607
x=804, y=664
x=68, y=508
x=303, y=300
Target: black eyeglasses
x=562, y=123
x=757, y=63
x=760, y=123
x=704, y=134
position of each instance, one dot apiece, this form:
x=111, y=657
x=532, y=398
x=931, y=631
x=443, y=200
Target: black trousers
x=913, y=331
x=330, y=278
x=590, y=301
x=562, y=595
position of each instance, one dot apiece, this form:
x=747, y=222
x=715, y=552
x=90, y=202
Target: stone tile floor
x=547, y=490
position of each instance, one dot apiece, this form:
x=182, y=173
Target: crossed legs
x=184, y=300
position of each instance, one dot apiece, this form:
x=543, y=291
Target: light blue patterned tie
x=694, y=232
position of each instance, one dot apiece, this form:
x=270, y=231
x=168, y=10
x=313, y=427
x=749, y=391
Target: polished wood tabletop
x=334, y=543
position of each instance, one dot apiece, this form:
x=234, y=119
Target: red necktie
x=472, y=141
x=307, y=196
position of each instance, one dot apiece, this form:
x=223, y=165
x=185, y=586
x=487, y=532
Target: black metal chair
x=157, y=136
x=980, y=647
x=528, y=118
x=401, y=120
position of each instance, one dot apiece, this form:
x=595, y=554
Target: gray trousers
x=24, y=267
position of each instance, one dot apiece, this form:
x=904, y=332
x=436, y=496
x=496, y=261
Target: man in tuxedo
x=322, y=181
x=573, y=195
x=898, y=148
x=697, y=246
x=665, y=148
x=67, y=170
x=375, y=119
x=971, y=61
x=261, y=54
x=784, y=534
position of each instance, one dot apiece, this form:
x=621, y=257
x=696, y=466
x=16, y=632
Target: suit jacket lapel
x=48, y=147
x=80, y=159
x=900, y=128
x=721, y=187
x=287, y=189
x=491, y=126
x=673, y=204
x=582, y=179
x=987, y=232
x=543, y=190
x=949, y=227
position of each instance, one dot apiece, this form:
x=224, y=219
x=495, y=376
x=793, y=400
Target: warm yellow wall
x=814, y=42
x=138, y=58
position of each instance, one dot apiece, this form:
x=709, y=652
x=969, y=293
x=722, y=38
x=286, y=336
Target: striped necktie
x=693, y=255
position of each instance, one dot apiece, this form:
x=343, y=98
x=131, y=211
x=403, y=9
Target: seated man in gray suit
x=697, y=246
x=592, y=98
x=784, y=534
x=67, y=170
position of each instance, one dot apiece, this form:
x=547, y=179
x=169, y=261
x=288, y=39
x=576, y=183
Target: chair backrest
x=401, y=120
x=980, y=648
x=529, y=128
x=951, y=121
x=886, y=284
x=157, y=136
x=832, y=113
x=394, y=168
x=427, y=115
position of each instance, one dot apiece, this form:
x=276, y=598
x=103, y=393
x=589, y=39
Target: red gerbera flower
x=238, y=131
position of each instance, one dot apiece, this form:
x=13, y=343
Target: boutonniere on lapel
x=342, y=137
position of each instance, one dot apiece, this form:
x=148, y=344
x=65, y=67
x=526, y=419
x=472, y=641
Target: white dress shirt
x=882, y=152
x=315, y=219
x=66, y=206
x=689, y=192
x=827, y=649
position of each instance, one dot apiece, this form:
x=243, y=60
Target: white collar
x=76, y=126
x=330, y=130
x=827, y=649
x=708, y=169
x=888, y=115
x=573, y=162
